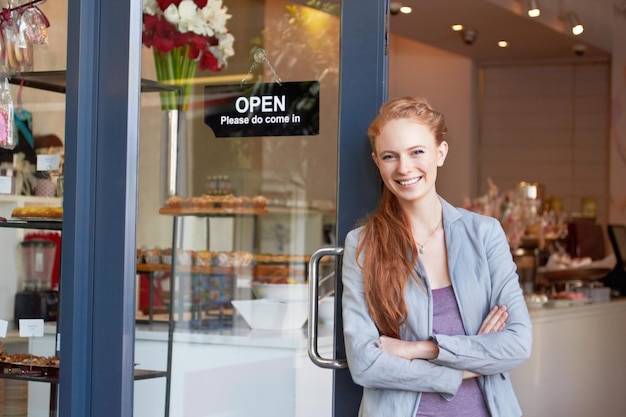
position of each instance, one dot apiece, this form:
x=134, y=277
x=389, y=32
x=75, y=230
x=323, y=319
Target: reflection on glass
x=253, y=210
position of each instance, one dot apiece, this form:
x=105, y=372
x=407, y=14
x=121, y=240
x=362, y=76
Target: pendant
x=421, y=251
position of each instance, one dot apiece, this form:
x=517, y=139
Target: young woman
x=433, y=313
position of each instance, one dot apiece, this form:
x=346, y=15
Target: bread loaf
x=43, y=212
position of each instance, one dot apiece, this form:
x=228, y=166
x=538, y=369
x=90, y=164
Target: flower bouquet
x=185, y=35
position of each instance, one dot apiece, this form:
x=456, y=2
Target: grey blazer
x=483, y=275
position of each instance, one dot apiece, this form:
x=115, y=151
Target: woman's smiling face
x=407, y=157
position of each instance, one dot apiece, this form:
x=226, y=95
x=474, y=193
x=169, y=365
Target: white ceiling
x=546, y=37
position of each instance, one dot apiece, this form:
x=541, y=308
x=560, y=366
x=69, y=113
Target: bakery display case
x=36, y=367
x=203, y=283
x=46, y=214
x=198, y=284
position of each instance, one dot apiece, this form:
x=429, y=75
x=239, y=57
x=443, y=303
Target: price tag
x=4, y=326
x=48, y=162
x=5, y=185
x=31, y=327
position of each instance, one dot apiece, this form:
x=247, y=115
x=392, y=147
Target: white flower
x=171, y=14
x=224, y=49
x=150, y=7
x=187, y=17
x=216, y=14
x=226, y=42
x=190, y=18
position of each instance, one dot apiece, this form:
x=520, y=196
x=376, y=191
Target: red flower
x=197, y=44
x=159, y=33
x=164, y=4
x=163, y=36
x=209, y=61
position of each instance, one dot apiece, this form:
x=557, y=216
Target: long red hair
x=389, y=250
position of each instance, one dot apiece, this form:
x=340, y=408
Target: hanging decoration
x=185, y=35
x=22, y=26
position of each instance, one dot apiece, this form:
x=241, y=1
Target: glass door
x=227, y=220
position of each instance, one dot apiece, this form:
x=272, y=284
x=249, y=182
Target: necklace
x=421, y=249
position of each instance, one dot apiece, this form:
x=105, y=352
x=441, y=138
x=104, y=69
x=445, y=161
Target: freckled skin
x=407, y=157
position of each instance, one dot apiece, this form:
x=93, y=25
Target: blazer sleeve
x=499, y=352
x=369, y=366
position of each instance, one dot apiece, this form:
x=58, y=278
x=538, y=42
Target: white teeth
x=409, y=182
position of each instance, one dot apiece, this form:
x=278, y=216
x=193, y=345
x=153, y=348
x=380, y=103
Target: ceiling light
x=405, y=9
x=577, y=27
x=457, y=27
x=533, y=8
x=503, y=44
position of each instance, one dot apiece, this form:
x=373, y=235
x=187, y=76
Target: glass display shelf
x=51, y=374
x=55, y=81
x=32, y=224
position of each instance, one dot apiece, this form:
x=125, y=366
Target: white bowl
x=326, y=311
x=291, y=292
x=267, y=314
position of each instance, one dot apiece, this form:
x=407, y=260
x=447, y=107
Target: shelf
x=30, y=224
x=141, y=374
x=193, y=269
x=37, y=373
x=213, y=212
x=52, y=376
x=30, y=199
x=55, y=81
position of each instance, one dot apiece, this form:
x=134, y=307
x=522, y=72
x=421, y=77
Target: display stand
x=55, y=81
x=212, y=288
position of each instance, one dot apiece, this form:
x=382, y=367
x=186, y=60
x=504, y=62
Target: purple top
x=469, y=401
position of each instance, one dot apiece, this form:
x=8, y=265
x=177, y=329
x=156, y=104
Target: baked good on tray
x=36, y=212
x=28, y=359
x=207, y=201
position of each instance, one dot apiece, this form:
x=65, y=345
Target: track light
x=533, y=8
x=577, y=27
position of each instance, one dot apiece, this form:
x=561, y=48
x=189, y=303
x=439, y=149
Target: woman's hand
x=426, y=349
x=409, y=350
x=495, y=320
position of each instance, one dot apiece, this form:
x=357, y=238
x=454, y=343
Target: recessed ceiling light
x=457, y=27
x=405, y=9
x=503, y=44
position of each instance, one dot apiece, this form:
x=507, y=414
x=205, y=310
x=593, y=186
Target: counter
x=578, y=363
x=235, y=372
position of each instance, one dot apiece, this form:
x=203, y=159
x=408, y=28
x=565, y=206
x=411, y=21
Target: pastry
x=30, y=359
x=38, y=212
x=175, y=201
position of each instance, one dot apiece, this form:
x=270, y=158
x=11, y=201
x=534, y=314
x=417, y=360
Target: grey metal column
x=98, y=265
x=363, y=88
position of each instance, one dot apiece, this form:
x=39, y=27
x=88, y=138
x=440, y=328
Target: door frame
x=363, y=84
x=98, y=245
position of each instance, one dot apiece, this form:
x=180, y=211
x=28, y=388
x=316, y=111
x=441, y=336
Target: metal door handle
x=314, y=266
